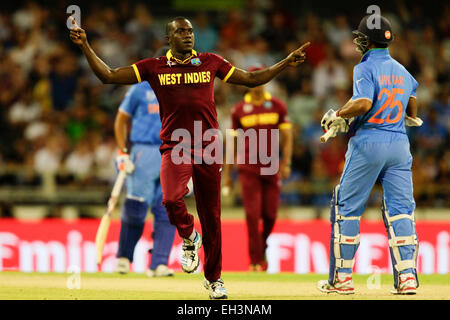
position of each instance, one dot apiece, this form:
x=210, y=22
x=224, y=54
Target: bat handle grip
x=328, y=134
x=118, y=184
x=116, y=191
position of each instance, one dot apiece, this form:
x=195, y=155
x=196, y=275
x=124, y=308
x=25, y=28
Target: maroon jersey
x=185, y=90
x=272, y=114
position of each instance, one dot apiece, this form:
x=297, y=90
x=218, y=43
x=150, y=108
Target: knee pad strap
x=340, y=239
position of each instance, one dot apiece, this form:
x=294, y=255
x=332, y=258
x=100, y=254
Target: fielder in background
x=383, y=92
x=140, y=111
x=262, y=112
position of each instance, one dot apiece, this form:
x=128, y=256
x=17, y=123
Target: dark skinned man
x=183, y=82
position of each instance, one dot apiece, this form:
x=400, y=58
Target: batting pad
x=345, y=239
x=403, y=242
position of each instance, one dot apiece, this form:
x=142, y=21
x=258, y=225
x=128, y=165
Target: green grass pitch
x=240, y=286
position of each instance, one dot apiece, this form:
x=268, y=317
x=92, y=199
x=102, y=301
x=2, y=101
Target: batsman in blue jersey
x=383, y=101
x=140, y=110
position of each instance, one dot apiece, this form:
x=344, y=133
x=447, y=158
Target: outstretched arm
x=259, y=77
x=124, y=75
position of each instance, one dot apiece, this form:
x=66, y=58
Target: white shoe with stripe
x=343, y=285
x=189, y=258
x=216, y=289
x=407, y=284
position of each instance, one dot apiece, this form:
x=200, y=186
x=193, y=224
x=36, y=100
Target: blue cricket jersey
x=384, y=81
x=141, y=105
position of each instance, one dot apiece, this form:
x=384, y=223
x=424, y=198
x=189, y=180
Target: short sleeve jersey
x=247, y=116
x=384, y=81
x=141, y=105
x=185, y=90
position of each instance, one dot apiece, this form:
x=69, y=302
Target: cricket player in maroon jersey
x=183, y=82
x=261, y=112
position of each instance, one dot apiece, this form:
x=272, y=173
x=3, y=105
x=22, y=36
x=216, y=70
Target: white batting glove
x=331, y=119
x=413, y=122
x=124, y=162
x=346, y=126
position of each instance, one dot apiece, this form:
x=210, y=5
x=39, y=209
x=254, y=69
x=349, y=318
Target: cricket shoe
x=407, y=284
x=123, y=266
x=216, y=289
x=264, y=264
x=256, y=268
x=189, y=258
x=259, y=267
x=160, y=271
x=343, y=284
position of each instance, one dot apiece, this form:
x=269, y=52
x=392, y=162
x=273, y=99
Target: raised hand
x=298, y=56
x=77, y=35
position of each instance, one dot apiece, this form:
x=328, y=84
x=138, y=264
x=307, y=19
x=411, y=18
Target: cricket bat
x=103, y=228
x=331, y=132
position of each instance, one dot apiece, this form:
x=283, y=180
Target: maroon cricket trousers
x=206, y=179
x=260, y=196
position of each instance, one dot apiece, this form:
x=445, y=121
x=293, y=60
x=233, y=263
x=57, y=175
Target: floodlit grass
x=240, y=286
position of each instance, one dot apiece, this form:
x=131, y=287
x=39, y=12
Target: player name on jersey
x=390, y=80
x=261, y=119
x=184, y=78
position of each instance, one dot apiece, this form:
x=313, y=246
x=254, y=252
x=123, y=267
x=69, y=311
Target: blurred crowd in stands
x=56, y=116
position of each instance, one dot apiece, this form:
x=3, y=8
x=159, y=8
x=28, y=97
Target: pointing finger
x=74, y=22
x=304, y=46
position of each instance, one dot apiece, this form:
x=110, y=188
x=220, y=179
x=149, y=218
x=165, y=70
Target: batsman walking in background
x=262, y=112
x=140, y=110
x=383, y=92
